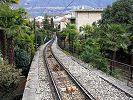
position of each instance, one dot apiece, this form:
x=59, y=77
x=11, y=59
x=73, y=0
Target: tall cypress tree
x=46, y=24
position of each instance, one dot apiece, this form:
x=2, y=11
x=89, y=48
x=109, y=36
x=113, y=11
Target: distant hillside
x=37, y=7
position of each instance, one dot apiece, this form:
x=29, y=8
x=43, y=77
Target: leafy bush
x=94, y=56
x=89, y=30
x=22, y=58
x=8, y=75
x=116, y=73
x=69, y=32
x=79, y=46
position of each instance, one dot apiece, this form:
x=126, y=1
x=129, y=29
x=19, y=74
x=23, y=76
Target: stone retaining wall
x=37, y=85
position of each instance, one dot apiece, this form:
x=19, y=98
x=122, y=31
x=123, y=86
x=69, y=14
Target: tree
x=69, y=34
x=10, y=1
x=71, y=31
x=106, y=16
x=3, y=46
x=94, y=56
x=121, y=12
x=26, y=42
x=22, y=60
x=41, y=34
x=88, y=30
x=46, y=24
x=114, y=37
x=5, y=13
x=52, y=24
x=12, y=22
x=17, y=26
x=79, y=46
x=8, y=75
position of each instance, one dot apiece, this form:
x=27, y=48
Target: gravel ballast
x=93, y=82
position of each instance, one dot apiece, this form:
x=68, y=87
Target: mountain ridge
x=37, y=7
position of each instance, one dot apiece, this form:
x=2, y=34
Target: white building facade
x=87, y=16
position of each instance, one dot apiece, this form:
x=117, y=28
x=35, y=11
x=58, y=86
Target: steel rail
x=58, y=95
x=88, y=95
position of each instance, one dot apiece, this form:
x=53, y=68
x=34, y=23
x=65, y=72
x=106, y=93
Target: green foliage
x=6, y=15
x=41, y=34
x=93, y=56
x=93, y=42
x=116, y=73
x=26, y=42
x=48, y=27
x=52, y=24
x=114, y=37
x=111, y=33
x=130, y=26
x=88, y=29
x=12, y=22
x=99, y=38
x=8, y=75
x=46, y=24
x=121, y=12
x=32, y=37
x=88, y=38
x=64, y=33
x=79, y=46
x=22, y=58
x=10, y=17
x=70, y=31
x=14, y=1
x=10, y=1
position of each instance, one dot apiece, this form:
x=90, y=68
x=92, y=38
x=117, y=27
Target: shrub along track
x=65, y=85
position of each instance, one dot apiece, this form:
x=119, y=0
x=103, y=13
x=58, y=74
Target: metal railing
x=124, y=71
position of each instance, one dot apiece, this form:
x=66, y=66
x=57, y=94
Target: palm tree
x=3, y=46
x=23, y=39
x=11, y=23
x=12, y=32
x=69, y=33
x=5, y=12
x=114, y=37
x=130, y=29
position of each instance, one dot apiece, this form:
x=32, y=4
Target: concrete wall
x=37, y=86
x=86, y=17
x=62, y=25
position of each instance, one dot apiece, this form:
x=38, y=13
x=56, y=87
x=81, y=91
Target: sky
x=38, y=7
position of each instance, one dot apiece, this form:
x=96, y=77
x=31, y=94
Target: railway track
x=65, y=85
